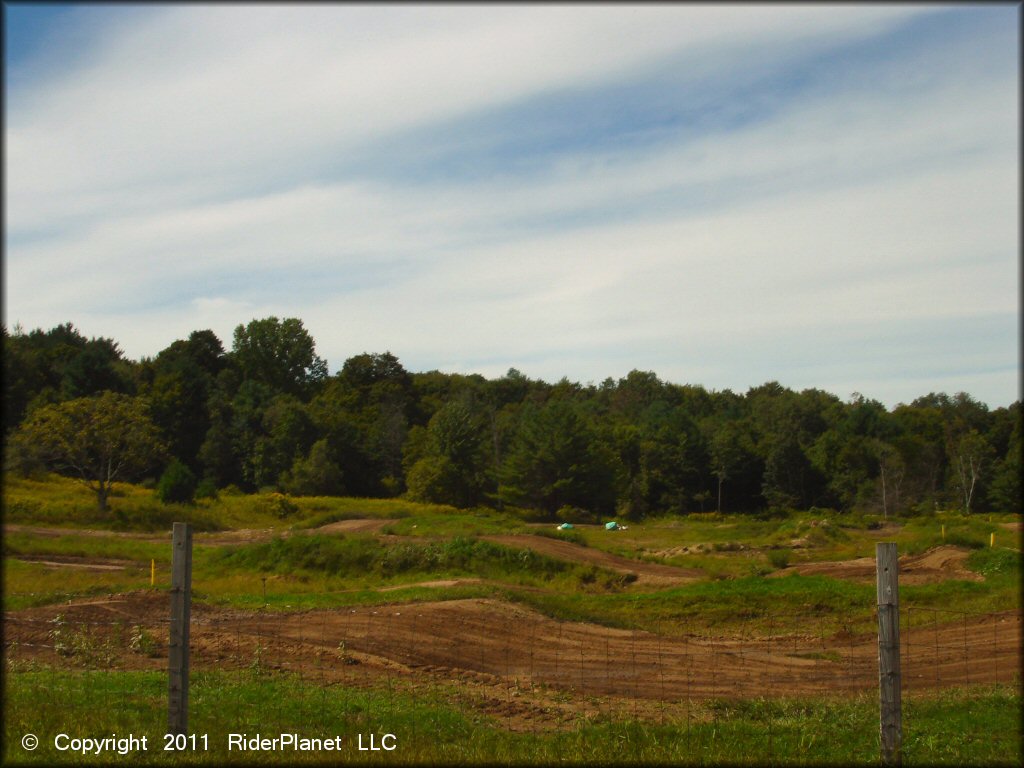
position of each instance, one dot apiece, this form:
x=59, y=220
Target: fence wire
x=491, y=662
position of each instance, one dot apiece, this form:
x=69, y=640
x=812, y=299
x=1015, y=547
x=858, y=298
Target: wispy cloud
x=721, y=194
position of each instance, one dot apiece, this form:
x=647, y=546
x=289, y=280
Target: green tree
x=556, y=460
x=219, y=455
x=285, y=433
x=1005, y=485
x=97, y=440
x=317, y=474
x=435, y=479
x=177, y=484
x=451, y=458
x=970, y=455
x=179, y=383
x=280, y=354
x=729, y=449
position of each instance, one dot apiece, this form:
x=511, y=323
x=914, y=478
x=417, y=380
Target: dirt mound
x=70, y=561
x=53, y=533
x=935, y=565
x=648, y=574
x=517, y=664
x=353, y=526
x=434, y=583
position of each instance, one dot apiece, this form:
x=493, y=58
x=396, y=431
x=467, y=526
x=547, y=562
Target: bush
x=571, y=535
x=207, y=489
x=993, y=561
x=779, y=557
x=276, y=504
x=316, y=475
x=177, y=484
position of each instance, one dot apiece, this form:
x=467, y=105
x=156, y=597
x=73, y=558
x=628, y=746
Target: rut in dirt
x=491, y=640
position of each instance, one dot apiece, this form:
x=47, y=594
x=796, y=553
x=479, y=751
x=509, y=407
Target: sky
x=725, y=195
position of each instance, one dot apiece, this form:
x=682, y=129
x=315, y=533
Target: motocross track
x=648, y=574
x=512, y=662
x=504, y=660
x=935, y=565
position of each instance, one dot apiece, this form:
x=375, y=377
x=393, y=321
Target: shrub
x=207, y=489
x=316, y=475
x=992, y=561
x=779, y=557
x=571, y=535
x=177, y=484
x=276, y=504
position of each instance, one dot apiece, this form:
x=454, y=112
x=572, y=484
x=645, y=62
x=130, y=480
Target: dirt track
x=509, y=661
x=489, y=648
x=648, y=574
x=236, y=536
x=935, y=565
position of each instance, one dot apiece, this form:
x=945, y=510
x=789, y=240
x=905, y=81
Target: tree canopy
x=266, y=414
x=97, y=440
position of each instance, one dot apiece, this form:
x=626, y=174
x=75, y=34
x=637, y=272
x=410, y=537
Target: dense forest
x=266, y=415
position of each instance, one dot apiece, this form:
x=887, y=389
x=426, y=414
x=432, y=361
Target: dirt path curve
x=235, y=536
x=648, y=574
x=497, y=644
x=935, y=565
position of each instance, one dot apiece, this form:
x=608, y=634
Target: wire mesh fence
x=440, y=669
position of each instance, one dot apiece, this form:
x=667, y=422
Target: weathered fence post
x=887, y=571
x=181, y=609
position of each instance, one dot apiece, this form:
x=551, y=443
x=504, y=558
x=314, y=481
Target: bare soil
x=935, y=565
x=506, y=661
x=235, y=536
x=648, y=574
x=71, y=561
x=514, y=663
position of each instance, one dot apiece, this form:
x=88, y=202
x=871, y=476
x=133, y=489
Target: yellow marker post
x=152, y=573
x=992, y=539
x=943, y=533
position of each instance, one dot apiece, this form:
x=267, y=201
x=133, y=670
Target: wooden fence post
x=181, y=609
x=891, y=716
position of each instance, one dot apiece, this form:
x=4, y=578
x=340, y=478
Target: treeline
x=266, y=415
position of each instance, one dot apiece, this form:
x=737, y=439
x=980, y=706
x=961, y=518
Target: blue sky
x=826, y=196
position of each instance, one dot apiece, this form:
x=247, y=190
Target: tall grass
x=437, y=726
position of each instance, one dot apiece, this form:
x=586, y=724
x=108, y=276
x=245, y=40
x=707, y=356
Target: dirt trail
x=45, y=532
x=235, y=536
x=648, y=574
x=935, y=565
x=71, y=561
x=508, y=660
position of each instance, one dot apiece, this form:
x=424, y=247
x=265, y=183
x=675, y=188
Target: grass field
x=429, y=730
x=805, y=580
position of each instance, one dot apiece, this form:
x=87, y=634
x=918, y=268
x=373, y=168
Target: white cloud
x=218, y=96
x=171, y=185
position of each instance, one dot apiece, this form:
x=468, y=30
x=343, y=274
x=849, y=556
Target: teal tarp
x=565, y=527
x=611, y=526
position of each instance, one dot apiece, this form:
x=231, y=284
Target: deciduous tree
x=96, y=440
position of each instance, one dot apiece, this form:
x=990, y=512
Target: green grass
x=77, y=545
x=358, y=561
x=29, y=584
x=979, y=726
x=431, y=523
x=434, y=725
x=572, y=535
x=734, y=606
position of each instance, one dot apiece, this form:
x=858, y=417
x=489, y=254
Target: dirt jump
x=648, y=574
x=935, y=565
x=512, y=661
